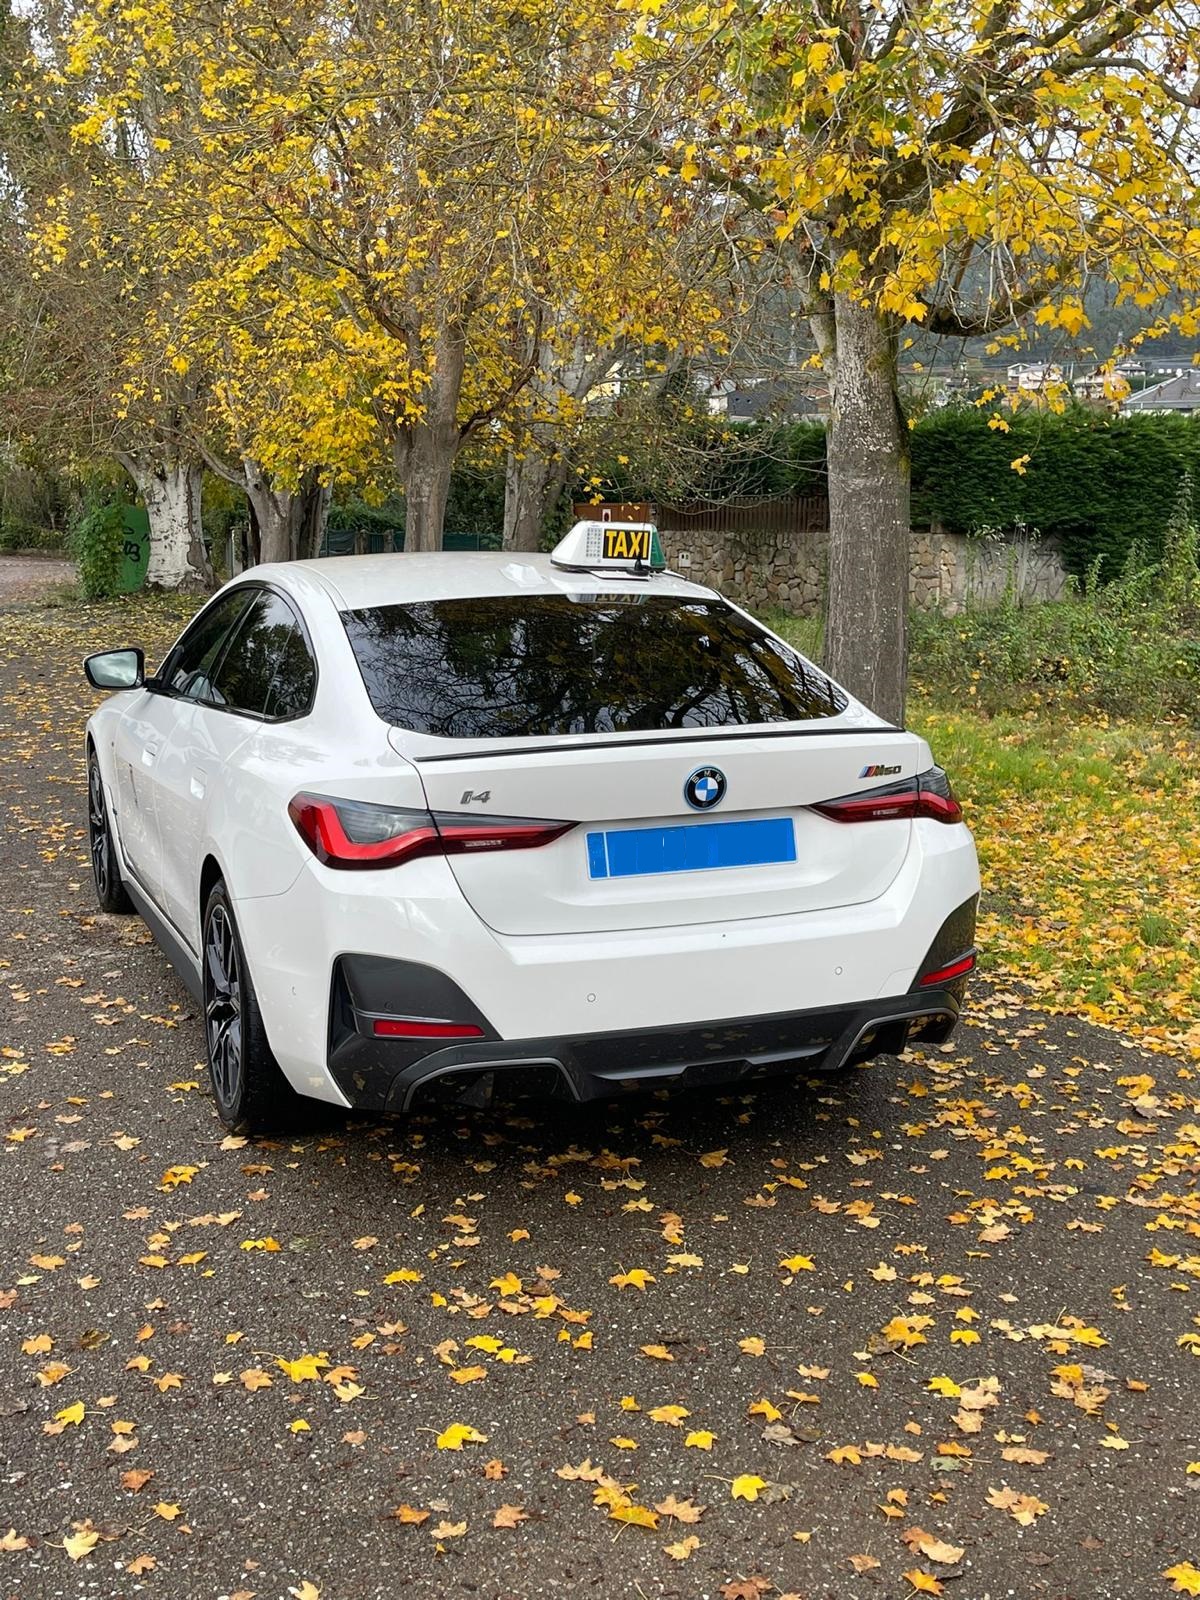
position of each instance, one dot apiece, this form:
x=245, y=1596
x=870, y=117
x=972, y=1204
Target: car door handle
x=149, y=752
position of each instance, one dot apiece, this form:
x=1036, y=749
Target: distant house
x=754, y=400
x=1101, y=388
x=1030, y=377
x=1180, y=393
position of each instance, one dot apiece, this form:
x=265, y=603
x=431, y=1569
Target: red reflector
x=416, y=1028
x=956, y=969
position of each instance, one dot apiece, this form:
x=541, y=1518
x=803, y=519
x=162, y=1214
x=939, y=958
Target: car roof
x=399, y=578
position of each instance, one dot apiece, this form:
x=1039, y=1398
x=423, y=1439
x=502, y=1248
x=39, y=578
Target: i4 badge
x=705, y=788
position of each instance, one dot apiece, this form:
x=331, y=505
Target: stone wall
x=767, y=570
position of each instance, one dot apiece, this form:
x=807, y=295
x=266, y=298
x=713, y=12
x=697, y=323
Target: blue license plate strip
x=692, y=847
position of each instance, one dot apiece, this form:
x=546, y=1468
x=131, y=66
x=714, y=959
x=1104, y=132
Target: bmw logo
x=705, y=788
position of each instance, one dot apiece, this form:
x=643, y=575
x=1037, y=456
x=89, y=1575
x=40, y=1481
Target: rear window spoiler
x=492, y=752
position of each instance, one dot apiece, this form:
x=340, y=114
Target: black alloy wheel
x=110, y=891
x=223, y=1007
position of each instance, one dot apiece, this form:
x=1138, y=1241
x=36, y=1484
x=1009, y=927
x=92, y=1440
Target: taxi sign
x=627, y=546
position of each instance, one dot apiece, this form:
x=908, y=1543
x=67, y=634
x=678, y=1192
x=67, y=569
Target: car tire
x=111, y=894
x=250, y=1090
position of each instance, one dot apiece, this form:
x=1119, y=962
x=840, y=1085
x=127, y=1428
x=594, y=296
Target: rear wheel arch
x=211, y=873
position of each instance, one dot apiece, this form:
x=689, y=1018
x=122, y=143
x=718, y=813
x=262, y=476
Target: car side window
x=187, y=668
x=267, y=668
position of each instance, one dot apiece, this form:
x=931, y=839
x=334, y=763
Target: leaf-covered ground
x=933, y=1327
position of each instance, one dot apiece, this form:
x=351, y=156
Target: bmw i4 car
x=570, y=818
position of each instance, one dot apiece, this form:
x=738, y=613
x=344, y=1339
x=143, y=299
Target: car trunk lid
x=674, y=829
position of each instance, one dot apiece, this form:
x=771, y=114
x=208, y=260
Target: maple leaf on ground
x=638, y=1278
x=864, y=1563
x=681, y=1550
x=13, y=1540
x=305, y=1369
x=923, y=1582
x=509, y=1517
x=746, y=1588
x=906, y=1331
x=657, y=1352
x=700, y=1439
x=458, y=1434
x=305, y=1591
x=945, y=1386
x=78, y=1545
x=933, y=1548
x=672, y=1415
x=1023, y=1508
x=410, y=1515
x=746, y=1486
x=638, y=1516
x=135, y=1479
x=448, y=1530
x=1184, y=1578
x=681, y=1510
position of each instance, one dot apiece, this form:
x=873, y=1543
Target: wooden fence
x=784, y=516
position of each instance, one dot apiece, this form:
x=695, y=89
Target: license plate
x=690, y=847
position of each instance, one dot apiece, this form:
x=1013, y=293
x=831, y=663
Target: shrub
x=98, y=544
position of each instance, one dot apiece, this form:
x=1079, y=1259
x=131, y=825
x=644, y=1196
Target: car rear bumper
x=595, y=1009
x=392, y=1075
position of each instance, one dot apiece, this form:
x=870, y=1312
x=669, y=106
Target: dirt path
x=26, y=578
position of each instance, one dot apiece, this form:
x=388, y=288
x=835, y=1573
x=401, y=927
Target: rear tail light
x=353, y=834
x=928, y=795
x=423, y=1028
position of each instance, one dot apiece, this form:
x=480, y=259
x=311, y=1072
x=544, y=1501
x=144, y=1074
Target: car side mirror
x=116, y=669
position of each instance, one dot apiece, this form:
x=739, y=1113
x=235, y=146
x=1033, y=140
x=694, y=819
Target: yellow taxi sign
x=630, y=546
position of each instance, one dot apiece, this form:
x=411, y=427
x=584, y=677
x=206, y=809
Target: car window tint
x=266, y=668
x=506, y=665
x=186, y=669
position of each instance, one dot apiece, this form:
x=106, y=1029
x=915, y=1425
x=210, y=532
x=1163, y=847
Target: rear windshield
x=498, y=666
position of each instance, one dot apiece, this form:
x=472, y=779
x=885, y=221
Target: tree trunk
x=290, y=522
x=869, y=524
x=528, y=480
x=425, y=451
x=428, y=461
x=310, y=513
x=170, y=490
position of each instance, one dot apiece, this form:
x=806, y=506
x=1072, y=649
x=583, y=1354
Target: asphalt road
x=1015, y=1216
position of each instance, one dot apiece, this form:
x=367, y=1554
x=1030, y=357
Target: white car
x=398, y=818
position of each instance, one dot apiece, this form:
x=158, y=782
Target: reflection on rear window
x=494, y=667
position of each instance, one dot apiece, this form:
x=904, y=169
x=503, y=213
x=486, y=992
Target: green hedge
x=1102, y=485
